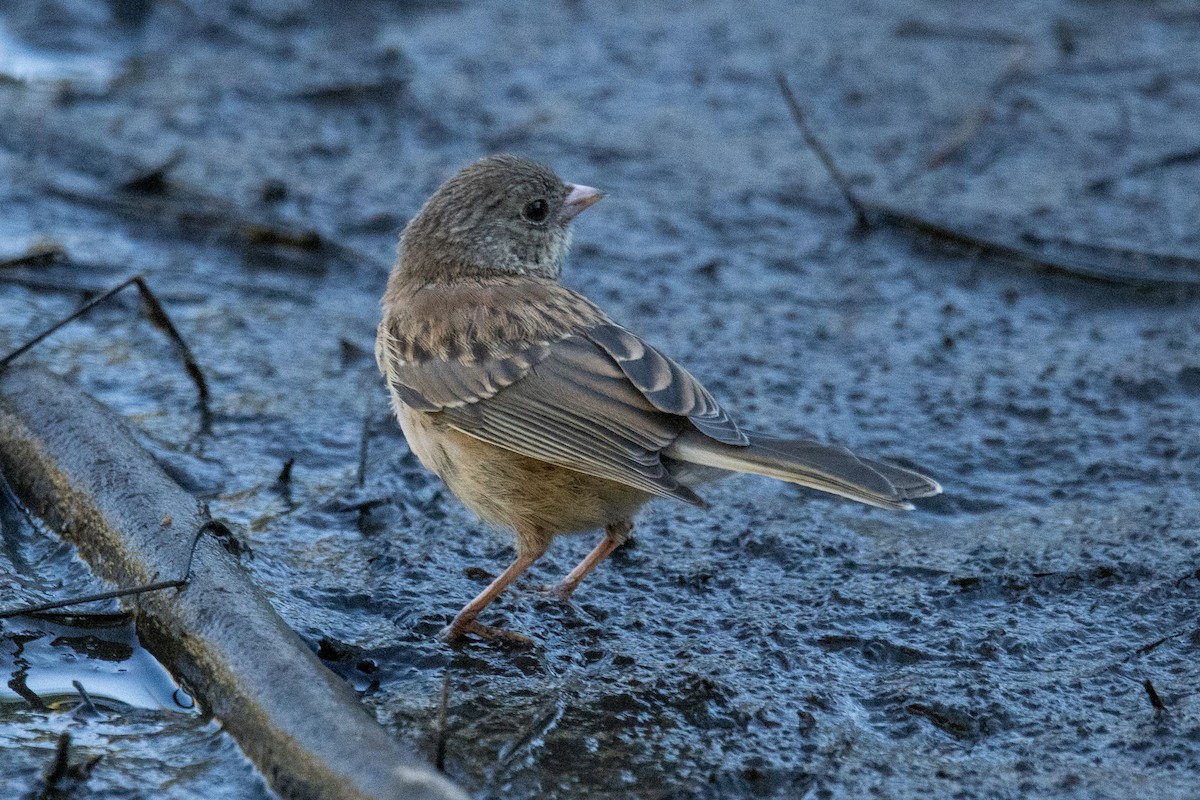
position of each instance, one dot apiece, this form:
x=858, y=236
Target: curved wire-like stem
x=176, y=583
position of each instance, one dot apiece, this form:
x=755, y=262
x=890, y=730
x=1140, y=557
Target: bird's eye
x=536, y=211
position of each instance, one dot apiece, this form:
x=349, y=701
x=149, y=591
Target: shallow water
x=105, y=659
x=87, y=675
x=995, y=643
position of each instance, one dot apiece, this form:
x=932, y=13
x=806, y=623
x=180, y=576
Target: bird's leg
x=614, y=536
x=466, y=621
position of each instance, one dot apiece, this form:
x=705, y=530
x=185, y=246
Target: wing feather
x=598, y=400
x=668, y=386
x=575, y=408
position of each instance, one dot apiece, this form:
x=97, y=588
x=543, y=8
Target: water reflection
x=87, y=674
x=22, y=62
x=44, y=659
x=58, y=661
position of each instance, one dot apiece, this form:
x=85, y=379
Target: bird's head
x=501, y=215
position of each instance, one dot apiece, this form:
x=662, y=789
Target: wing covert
x=668, y=386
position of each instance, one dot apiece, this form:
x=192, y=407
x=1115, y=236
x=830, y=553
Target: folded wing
x=603, y=402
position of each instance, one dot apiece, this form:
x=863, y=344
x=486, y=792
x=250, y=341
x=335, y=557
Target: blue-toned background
x=994, y=643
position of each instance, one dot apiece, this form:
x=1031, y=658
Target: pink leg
x=466, y=622
x=614, y=536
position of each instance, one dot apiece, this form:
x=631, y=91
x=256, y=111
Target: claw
x=458, y=630
x=560, y=592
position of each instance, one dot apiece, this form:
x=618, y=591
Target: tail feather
x=828, y=468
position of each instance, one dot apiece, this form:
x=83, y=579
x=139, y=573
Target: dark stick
x=17, y=684
x=61, y=769
x=61, y=762
x=195, y=213
x=364, y=444
x=150, y=587
x=154, y=179
x=827, y=160
x=79, y=312
x=38, y=256
x=442, y=730
x=1152, y=646
x=158, y=317
x=1155, y=700
x=88, y=705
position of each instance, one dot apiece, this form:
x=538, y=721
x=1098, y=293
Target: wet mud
x=1033, y=632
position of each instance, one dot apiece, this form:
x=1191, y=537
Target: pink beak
x=579, y=198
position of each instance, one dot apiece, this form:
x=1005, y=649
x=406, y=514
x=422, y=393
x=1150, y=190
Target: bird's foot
x=560, y=591
x=458, y=630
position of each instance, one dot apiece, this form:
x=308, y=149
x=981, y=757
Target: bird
x=540, y=412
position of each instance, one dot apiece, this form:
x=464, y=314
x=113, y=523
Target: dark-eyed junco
x=538, y=411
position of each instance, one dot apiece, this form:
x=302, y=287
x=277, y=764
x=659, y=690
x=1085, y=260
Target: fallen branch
x=871, y=214
x=76, y=465
x=61, y=776
x=1188, y=156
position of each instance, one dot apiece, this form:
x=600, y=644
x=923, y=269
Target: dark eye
x=536, y=211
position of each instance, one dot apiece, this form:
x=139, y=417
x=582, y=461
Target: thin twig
x=867, y=212
x=534, y=735
x=51, y=284
x=972, y=123
x=161, y=320
x=79, y=312
x=195, y=213
x=83, y=619
x=1152, y=646
x=158, y=317
x=90, y=598
x=827, y=160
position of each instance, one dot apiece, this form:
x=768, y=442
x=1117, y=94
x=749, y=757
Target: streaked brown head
x=501, y=215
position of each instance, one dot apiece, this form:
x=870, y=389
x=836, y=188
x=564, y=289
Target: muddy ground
x=256, y=160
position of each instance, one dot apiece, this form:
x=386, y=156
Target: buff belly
x=537, y=499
